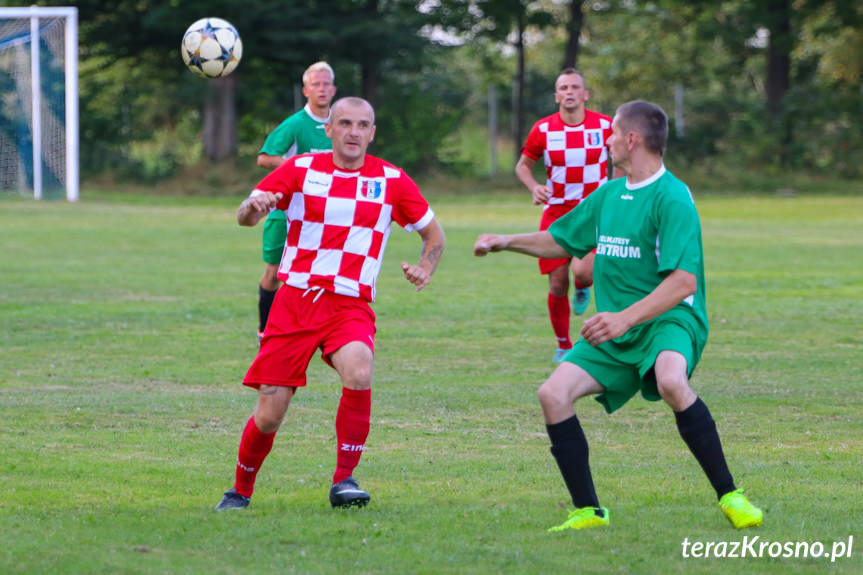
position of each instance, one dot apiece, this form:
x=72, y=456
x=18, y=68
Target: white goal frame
x=70, y=65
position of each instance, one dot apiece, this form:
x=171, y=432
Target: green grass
x=126, y=326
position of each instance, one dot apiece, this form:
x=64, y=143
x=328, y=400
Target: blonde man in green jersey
x=651, y=324
x=301, y=133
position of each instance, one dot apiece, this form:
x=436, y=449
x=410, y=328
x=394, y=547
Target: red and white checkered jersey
x=576, y=157
x=339, y=222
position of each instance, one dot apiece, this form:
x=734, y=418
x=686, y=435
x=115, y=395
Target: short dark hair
x=568, y=71
x=649, y=120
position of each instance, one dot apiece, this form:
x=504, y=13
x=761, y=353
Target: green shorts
x=624, y=369
x=275, y=234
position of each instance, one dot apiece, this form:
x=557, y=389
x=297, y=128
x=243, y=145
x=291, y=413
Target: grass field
x=127, y=325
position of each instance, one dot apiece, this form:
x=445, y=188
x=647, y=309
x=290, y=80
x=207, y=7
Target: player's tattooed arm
x=432, y=257
x=432, y=250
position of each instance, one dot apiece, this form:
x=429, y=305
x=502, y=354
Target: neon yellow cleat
x=583, y=518
x=740, y=511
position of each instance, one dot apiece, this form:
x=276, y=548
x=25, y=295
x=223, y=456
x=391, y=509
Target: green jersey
x=641, y=233
x=301, y=133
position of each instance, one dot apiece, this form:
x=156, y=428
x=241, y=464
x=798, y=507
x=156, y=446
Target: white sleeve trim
x=257, y=192
x=423, y=222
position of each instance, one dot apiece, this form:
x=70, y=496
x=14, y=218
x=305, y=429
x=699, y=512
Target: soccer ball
x=211, y=48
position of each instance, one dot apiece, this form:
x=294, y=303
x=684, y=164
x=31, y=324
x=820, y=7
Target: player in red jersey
x=574, y=146
x=339, y=208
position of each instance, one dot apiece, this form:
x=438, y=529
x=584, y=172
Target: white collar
x=648, y=181
x=308, y=110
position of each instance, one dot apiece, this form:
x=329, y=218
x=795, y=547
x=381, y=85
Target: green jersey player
x=651, y=324
x=301, y=133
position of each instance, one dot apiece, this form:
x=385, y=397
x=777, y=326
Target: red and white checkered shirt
x=576, y=157
x=339, y=222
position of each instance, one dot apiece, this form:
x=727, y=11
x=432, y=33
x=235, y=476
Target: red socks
x=558, y=311
x=254, y=448
x=352, y=429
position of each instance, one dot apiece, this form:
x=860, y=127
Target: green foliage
x=128, y=322
x=422, y=108
x=141, y=111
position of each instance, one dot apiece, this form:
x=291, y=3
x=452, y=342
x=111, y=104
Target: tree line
x=764, y=82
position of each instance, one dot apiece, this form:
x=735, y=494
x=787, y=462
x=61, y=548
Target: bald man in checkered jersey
x=339, y=207
x=573, y=145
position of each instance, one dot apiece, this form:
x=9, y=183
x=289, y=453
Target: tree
x=508, y=22
x=573, y=34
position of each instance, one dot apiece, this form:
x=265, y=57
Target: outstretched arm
x=432, y=250
x=676, y=287
x=255, y=207
x=539, y=244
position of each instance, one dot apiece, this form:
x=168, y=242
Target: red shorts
x=550, y=213
x=302, y=321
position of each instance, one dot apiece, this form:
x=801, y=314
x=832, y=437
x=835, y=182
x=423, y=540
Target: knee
x=558, y=286
x=271, y=409
x=675, y=391
x=550, y=398
x=268, y=420
x=358, y=377
x=584, y=275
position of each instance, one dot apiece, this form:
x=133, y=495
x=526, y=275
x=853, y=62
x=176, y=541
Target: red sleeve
x=281, y=180
x=535, y=144
x=410, y=208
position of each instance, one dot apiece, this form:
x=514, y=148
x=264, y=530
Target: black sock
x=569, y=447
x=698, y=430
x=265, y=302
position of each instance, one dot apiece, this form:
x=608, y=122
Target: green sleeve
x=576, y=231
x=679, y=235
x=280, y=140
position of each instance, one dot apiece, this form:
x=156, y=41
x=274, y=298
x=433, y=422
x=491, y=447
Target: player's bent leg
x=672, y=381
x=560, y=391
x=559, y=310
x=698, y=430
x=582, y=270
x=569, y=445
x=256, y=443
x=354, y=362
x=273, y=402
x=558, y=281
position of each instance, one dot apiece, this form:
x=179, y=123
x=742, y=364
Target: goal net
x=39, y=102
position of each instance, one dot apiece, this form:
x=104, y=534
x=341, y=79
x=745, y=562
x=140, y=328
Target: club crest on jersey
x=371, y=189
x=593, y=138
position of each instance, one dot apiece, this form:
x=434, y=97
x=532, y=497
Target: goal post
x=39, y=137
